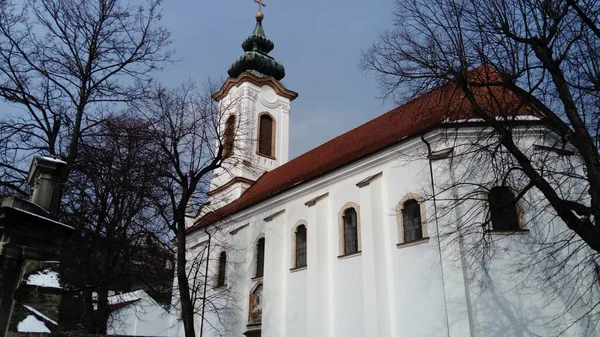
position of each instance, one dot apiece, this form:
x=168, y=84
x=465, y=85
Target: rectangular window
x=350, y=232
x=260, y=257
x=301, y=247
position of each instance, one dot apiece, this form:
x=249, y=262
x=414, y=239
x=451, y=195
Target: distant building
x=138, y=314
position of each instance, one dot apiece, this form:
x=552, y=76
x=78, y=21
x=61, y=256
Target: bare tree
x=539, y=56
x=64, y=63
x=190, y=130
x=110, y=200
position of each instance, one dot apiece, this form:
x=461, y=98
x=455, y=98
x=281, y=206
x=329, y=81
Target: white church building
x=367, y=235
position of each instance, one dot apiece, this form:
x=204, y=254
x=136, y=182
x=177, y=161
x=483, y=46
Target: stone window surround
x=342, y=253
x=400, y=217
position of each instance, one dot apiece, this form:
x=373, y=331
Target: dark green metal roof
x=256, y=49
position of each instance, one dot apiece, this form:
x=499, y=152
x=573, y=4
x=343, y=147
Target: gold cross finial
x=259, y=14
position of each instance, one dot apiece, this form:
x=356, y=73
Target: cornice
x=229, y=183
x=258, y=81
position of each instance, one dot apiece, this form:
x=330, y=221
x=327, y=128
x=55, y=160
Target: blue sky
x=318, y=42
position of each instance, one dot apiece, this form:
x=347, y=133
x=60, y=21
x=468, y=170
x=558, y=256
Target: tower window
x=265, y=135
x=411, y=218
x=229, y=137
x=350, y=232
x=260, y=257
x=222, y=269
x=300, y=246
x=503, y=209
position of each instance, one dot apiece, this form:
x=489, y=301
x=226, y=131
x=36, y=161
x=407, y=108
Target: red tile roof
x=446, y=103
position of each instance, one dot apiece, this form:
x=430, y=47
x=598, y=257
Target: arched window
x=229, y=137
x=411, y=220
x=260, y=257
x=350, y=231
x=266, y=132
x=300, y=246
x=503, y=209
x=222, y=269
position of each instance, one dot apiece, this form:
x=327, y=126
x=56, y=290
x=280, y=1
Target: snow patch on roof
x=32, y=324
x=39, y=314
x=56, y=160
x=126, y=297
x=47, y=278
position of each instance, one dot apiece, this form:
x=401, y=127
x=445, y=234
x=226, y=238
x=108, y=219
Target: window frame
x=221, y=276
x=341, y=230
x=273, y=135
x=228, y=151
x=256, y=257
x=400, y=218
x=294, y=246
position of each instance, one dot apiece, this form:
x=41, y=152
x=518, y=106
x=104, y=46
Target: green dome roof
x=256, y=49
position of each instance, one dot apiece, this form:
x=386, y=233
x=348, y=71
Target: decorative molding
x=249, y=93
x=235, y=231
x=412, y=243
x=272, y=216
x=314, y=200
x=346, y=256
x=258, y=81
x=286, y=107
x=441, y=154
x=293, y=270
x=229, y=184
x=368, y=180
x=198, y=245
x=267, y=104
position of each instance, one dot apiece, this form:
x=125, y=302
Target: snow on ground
x=46, y=278
x=32, y=324
x=39, y=314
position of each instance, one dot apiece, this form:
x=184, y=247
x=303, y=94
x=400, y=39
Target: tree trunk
x=89, y=320
x=187, y=309
x=102, y=311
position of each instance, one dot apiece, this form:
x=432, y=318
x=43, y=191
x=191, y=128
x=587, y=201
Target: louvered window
x=265, y=136
x=229, y=137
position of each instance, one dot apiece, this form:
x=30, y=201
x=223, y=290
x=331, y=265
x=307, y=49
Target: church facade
x=352, y=238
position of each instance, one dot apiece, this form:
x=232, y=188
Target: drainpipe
x=205, y=283
x=437, y=228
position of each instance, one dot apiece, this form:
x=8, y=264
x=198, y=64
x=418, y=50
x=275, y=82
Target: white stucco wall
x=425, y=289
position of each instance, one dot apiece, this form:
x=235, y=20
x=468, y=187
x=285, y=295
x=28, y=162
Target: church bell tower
x=255, y=108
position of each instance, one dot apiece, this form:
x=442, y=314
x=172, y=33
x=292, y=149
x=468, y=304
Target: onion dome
x=255, y=58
